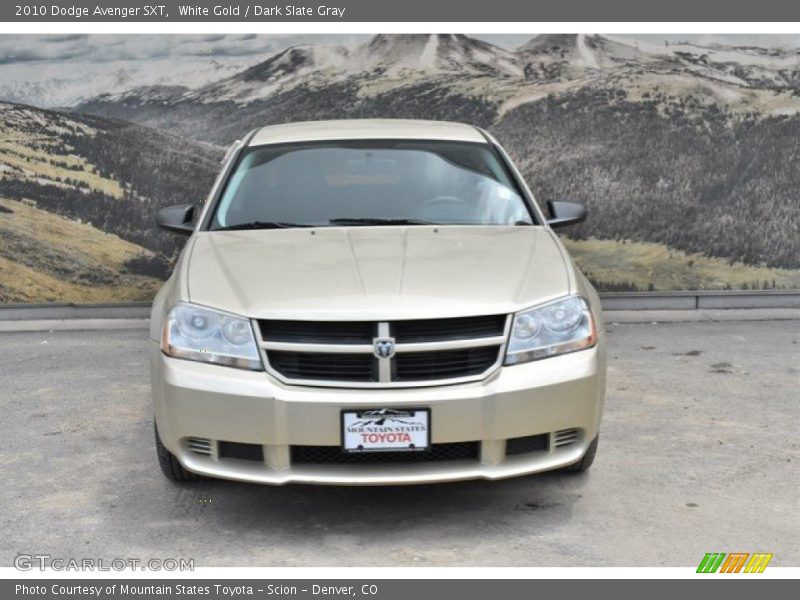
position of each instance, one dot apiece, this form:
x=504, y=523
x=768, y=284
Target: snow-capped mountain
x=51, y=86
x=406, y=58
x=571, y=49
x=458, y=77
x=745, y=66
x=552, y=63
x=403, y=60
x=451, y=53
x=568, y=56
x=286, y=68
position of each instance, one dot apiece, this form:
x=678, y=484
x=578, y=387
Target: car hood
x=375, y=273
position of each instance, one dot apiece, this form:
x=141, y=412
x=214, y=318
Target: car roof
x=366, y=129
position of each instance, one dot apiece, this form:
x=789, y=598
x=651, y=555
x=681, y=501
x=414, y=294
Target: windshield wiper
x=262, y=225
x=375, y=221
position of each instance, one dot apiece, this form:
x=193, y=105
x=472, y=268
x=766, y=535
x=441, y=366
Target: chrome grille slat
x=426, y=351
x=400, y=346
x=201, y=446
x=565, y=437
x=323, y=348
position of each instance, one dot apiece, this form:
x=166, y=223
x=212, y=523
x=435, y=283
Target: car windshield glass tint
x=371, y=183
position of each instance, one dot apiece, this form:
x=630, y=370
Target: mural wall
x=686, y=151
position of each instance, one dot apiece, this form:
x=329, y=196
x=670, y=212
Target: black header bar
x=309, y=11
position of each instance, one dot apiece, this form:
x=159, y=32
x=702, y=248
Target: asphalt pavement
x=699, y=453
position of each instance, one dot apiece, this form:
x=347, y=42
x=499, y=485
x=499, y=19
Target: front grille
x=529, y=443
x=318, y=332
x=254, y=452
x=464, y=328
x=457, y=451
x=323, y=366
x=445, y=364
x=420, y=351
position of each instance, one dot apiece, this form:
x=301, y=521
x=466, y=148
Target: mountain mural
x=438, y=75
x=685, y=154
x=78, y=197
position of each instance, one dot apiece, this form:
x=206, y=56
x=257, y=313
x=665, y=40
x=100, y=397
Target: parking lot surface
x=699, y=453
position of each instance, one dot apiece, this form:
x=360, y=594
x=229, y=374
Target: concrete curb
x=612, y=301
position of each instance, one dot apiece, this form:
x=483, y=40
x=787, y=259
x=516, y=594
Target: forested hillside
x=698, y=179
x=105, y=180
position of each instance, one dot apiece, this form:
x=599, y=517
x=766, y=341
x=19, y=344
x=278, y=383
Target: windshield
x=370, y=183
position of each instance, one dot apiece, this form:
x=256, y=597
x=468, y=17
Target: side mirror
x=563, y=214
x=178, y=219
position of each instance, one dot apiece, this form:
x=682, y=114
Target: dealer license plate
x=385, y=429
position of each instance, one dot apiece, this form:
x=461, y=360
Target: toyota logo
x=383, y=347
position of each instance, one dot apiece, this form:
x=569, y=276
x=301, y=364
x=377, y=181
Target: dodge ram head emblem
x=383, y=347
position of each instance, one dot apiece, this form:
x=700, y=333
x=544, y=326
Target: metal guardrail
x=72, y=310
x=611, y=301
x=700, y=300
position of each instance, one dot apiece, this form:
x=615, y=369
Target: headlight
x=558, y=327
x=198, y=333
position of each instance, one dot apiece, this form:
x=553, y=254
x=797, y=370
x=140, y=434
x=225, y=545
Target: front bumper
x=560, y=398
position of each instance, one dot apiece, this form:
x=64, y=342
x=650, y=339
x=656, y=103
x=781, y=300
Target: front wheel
x=584, y=463
x=170, y=466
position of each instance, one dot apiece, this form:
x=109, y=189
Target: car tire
x=170, y=466
x=586, y=461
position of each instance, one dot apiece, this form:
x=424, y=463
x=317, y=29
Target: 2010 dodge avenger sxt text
x=374, y=302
